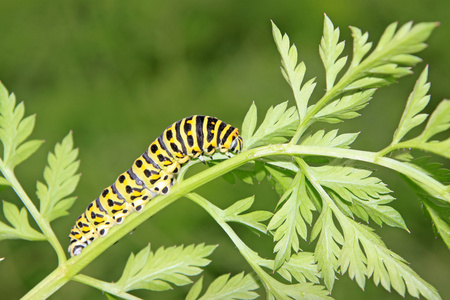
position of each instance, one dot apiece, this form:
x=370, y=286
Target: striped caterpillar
x=153, y=173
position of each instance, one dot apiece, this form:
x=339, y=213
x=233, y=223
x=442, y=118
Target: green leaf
x=195, y=290
x=249, y=124
x=417, y=101
x=350, y=182
x=327, y=249
x=236, y=287
x=345, y=108
x=439, y=121
x=280, y=122
x=280, y=178
x=365, y=195
x=293, y=72
x=360, y=45
x=20, y=229
x=252, y=219
x=440, y=214
x=390, y=59
x=330, y=49
x=287, y=222
x=60, y=179
x=365, y=255
x=301, y=267
x=4, y=183
x=330, y=139
x=157, y=271
x=14, y=130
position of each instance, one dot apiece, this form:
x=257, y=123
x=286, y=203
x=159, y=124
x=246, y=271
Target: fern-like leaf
x=345, y=107
x=252, y=219
x=390, y=59
x=301, y=267
x=365, y=195
x=158, y=270
x=330, y=139
x=20, y=229
x=417, y=101
x=224, y=287
x=292, y=71
x=330, y=49
x=61, y=180
x=288, y=222
x=280, y=122
x=365, y=255
x=327, y=249
x=14, y=130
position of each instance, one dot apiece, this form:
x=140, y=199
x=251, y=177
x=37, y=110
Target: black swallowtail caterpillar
x=152, y=174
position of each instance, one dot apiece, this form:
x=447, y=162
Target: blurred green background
x=117, y=73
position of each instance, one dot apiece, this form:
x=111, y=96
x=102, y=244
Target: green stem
x=104, y=286
x=74, y=265
x=41, y=221
x=250, y=256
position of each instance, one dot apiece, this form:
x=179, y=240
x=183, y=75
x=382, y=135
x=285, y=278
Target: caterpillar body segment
x=153, y=173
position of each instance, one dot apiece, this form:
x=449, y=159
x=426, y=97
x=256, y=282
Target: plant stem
x=104, y=286
x=41, y=222
x=74, y=265
x=250, y=256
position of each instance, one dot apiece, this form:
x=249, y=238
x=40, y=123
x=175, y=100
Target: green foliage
x=157, y=270
x=325, y=193
x=224, y=287
x=20, y=229
x=61, y=180
x=14, y=130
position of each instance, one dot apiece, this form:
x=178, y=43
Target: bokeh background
x=117, y=73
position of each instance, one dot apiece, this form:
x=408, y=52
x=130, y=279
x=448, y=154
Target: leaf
x=440, y=214
x=287, y=222
x=330, y=139
x=252, y=219
x=301, y=267
x=345, y=108
x=249, y=124
x=4, y=183
x=195, y=290
x=280, y=122
x=236, y=287
x=365, y=255
x=20, y=229
x=439, y=121
x=390, y=59
x=14, y=130
x=327, y=249
x=293, y=72
x=417, y=101
x=299, y=291
x=157, y=271
x=330, y=49
x=61, y=180
x=360, y=45
x=365, y=195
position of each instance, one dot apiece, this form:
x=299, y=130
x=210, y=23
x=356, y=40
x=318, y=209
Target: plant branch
x=40, y=220
x=73, y=266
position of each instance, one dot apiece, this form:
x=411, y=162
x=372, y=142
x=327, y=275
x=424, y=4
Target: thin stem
x=41, y=222
x=249, y=255
x=74, y=265
x=104, y=286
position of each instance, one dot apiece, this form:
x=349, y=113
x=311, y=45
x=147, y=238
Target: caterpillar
x=153, y=173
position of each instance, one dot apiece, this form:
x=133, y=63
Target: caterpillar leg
x=163, y=185
x=139, y=202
